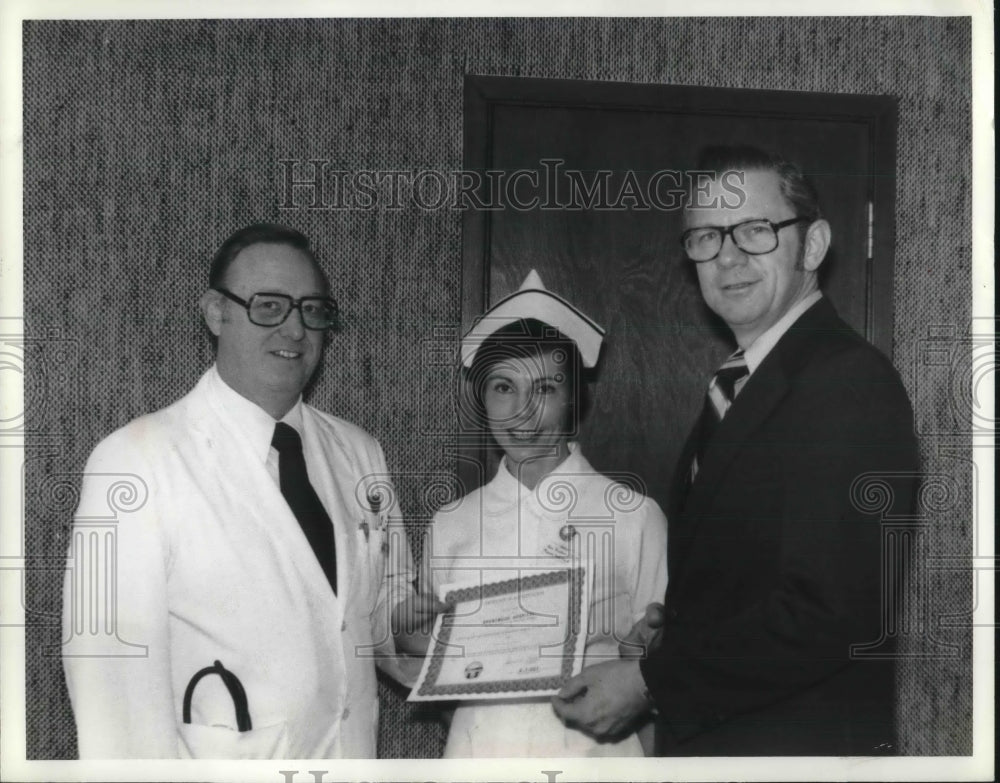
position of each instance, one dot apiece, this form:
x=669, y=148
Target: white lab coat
x=503, y=526
x=212, y=565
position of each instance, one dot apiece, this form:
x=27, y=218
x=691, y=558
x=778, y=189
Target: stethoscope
x=233, y=685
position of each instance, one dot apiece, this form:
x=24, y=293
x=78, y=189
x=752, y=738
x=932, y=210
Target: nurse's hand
x=605, y=701
x=645, y=634
x=412, y=622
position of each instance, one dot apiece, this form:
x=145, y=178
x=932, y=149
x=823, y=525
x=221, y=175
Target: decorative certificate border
x=575, y=576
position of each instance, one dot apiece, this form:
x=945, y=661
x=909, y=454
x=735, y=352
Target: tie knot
x=734, y=368
x=286, y=439
x=736, y=359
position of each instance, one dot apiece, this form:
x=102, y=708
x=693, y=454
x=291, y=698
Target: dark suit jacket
x=774, y=569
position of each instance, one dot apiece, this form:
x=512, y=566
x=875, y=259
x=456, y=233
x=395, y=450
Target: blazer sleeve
x=852, y=417
x=116, y=656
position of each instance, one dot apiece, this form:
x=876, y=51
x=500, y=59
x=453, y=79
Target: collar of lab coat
x=548, y=496
x=244, y=428
x=240, y=414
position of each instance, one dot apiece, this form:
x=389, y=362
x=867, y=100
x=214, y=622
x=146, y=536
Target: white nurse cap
x=531, y=300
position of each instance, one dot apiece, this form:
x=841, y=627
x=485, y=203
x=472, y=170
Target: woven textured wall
x=146, y=143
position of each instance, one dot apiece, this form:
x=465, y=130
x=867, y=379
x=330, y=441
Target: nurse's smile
x=528, y=402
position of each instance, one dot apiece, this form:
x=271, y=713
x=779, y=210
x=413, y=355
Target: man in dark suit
x=774, y=564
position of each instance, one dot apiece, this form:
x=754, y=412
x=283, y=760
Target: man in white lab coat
x=212, y=563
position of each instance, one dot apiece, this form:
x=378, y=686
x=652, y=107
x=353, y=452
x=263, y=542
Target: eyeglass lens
x=755, y=237
x=271, y=310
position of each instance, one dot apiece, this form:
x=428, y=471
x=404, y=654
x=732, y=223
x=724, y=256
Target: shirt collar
x=248, y=418
x=762, y=346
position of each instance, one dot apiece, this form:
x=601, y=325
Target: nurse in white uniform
x=524, y=358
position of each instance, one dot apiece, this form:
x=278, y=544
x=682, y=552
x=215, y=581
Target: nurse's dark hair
x=528, y=338
x=258, y=234
x=796, y=187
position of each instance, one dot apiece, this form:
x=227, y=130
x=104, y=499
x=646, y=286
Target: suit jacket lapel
x=752, y=406
x=679, y=486
x=764, y=390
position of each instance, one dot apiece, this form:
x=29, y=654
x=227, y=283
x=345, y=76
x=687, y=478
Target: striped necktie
x=722, y=390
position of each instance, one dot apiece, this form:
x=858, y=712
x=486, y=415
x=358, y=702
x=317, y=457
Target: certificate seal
x=473, y=670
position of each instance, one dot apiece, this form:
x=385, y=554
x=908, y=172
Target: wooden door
x=616, y=255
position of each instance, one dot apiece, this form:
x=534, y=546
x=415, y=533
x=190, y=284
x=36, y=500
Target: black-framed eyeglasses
x=756, y=237
x=267, y=309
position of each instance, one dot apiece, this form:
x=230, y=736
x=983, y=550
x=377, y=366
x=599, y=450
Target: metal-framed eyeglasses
x=756, y=237
x=268, y=309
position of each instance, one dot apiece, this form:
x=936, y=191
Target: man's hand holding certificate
x=518, y=636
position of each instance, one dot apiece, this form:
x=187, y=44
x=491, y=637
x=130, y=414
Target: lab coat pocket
x=221, y=742
x=201, y=741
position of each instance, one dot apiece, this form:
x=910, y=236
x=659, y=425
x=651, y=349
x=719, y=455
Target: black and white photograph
x=497, y=393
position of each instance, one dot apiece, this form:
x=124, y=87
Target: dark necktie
x=720, y=395
x=303, y=500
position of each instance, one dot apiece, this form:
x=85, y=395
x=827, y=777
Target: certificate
x=510, y=638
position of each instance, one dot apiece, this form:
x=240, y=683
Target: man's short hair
x=258, y=234
x=795, y=186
